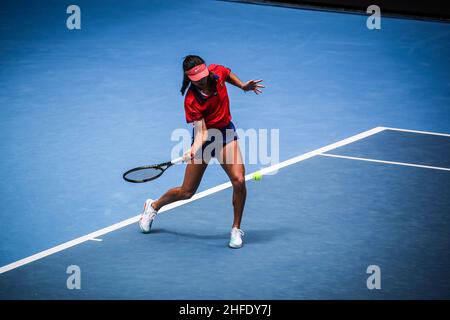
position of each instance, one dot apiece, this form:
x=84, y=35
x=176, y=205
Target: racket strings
x=144, y=174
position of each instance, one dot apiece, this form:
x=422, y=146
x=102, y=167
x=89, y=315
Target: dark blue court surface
x=79, y=107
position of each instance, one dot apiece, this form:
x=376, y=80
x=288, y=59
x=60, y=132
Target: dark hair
x=189, y=62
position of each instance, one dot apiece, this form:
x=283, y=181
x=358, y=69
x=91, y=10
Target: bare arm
x=252, y=85
x=235, y=81
x=200, y=136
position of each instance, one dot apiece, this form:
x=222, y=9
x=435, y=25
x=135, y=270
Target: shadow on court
x=251, y=236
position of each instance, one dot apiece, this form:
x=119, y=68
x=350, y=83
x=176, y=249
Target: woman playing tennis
x=207, y=106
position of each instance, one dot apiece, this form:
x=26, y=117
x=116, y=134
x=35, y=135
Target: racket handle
x=177, y=160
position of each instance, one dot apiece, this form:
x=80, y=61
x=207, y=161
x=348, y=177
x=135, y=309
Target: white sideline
x=386, y=162
x=316, y=152
x=416, y=131
x=199, y=195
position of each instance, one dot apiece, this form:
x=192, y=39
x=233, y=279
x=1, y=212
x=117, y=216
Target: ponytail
x=186, y=83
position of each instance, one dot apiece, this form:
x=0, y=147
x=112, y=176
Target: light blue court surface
x=78, y=108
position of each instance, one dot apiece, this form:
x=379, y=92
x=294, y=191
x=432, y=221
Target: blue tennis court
x=363, y=176
x=314, y=227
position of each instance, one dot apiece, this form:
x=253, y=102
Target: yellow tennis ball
x=257, y=176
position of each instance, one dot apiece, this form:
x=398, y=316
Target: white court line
x=387, y=162
x=96, y=239
x=197, y=196
x=316, y=152
x=420, y=132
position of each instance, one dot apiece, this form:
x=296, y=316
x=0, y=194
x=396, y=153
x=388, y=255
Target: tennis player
x=207, y=106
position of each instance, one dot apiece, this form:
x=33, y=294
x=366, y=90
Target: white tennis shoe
x=236, y=238
x=148, y=214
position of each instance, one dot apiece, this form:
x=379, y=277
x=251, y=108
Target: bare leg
x=231, y=161
x=192, y=178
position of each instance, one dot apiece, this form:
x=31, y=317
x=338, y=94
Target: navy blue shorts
x=227, y=134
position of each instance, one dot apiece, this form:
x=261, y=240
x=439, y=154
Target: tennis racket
x=149, y=173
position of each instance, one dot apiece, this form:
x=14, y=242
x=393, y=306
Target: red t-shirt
x=214, y=109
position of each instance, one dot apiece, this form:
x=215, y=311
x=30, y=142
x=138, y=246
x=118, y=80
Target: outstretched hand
x=253, y=85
